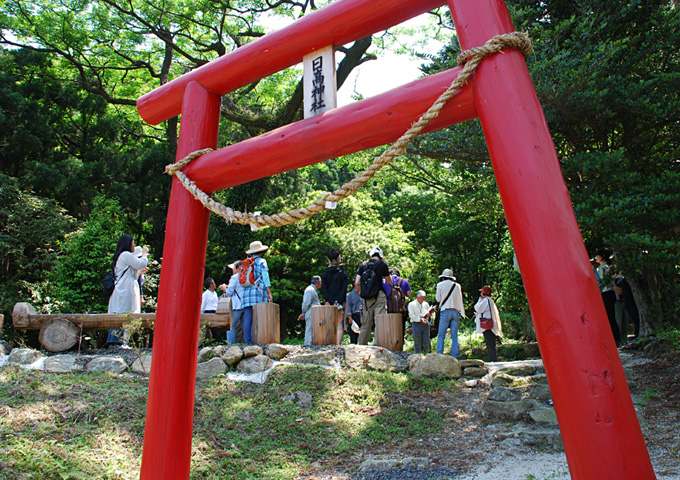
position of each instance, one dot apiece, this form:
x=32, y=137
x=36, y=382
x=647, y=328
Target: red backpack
x=246, y=272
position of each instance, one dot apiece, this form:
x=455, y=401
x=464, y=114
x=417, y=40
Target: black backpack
x=110, y=281
x=396, y=303
x=370, y=282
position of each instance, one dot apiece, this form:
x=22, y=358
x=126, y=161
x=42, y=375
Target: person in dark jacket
x=334, y=287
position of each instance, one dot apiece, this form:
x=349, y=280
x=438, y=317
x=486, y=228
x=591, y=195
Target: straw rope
x=469, y=58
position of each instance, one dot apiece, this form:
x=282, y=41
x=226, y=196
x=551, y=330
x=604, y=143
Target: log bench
x=60, y=331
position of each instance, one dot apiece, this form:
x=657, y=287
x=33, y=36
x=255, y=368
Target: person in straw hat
x=451, y=309
x=260, y=291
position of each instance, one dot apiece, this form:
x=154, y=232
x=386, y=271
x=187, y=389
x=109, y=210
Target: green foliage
x=608, y=76
x=88, y=253
x=31, y=228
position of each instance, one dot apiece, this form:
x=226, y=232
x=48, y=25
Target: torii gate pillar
x=599, y=427
x=170, y=406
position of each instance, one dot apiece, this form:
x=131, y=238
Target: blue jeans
x=115, y=336
x=248, y=325
x=448, y=319
x=235, y=335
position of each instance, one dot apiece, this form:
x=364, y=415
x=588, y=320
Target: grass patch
x=74, y=426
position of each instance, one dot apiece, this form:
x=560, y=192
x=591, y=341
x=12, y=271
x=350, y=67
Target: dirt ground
x=469, y=448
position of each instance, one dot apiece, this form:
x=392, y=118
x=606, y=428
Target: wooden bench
x=60, y=331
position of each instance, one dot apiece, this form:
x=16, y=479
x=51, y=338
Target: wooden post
x=366, y=124
x=324, y=325
x=601, y=434
x=389, y=332
x=266, y=323
x=170, y=406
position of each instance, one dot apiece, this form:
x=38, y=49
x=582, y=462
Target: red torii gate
x=599, y=427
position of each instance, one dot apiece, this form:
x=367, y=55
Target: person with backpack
x=397, y=293
x=451, y=308
x=370, y=277
x=334, y=286
x=235, y=291
x=253, y=276
x=126, y=296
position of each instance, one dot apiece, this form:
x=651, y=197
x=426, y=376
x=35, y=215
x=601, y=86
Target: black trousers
x=490, y=340
x=609, y=299
x=354, y=337
x=630, y=305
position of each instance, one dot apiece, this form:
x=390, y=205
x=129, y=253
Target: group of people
x=373, y=290
x=249, y=285
x=617, y=297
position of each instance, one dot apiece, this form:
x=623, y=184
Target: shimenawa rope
x=470, y=58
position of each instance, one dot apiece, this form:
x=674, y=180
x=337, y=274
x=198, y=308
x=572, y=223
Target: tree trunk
x=657, y=300
x=529, y=333
x=25, y=317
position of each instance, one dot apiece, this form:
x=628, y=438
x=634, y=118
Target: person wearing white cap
x=451, y=309
x=369, y=276
x=419, y=313
x=258, y=292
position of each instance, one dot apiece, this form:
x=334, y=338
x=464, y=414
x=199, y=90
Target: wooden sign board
x=319, y=85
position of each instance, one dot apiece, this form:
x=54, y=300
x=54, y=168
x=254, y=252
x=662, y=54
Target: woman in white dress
x=126, y=297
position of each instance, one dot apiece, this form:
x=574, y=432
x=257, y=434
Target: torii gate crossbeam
x=597, y=419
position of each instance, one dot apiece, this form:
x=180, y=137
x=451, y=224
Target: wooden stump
x=266, y=323
x=389, y=332
x=224, y=306
x=20, y=314
x=57, y=335
x=324, y=325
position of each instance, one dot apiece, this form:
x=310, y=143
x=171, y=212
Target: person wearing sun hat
x=258, y=293
x=451, y=308
x=485, y=308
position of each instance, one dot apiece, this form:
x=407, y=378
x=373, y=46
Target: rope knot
x=517, y=40
x=172, y=168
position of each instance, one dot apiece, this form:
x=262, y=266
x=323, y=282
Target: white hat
x=420, y=293
x=448, y=274
x=377, y=250
x=256, y=247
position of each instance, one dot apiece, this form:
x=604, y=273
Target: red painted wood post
x=600, y=430
x=359, y=126
x=170, y=406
